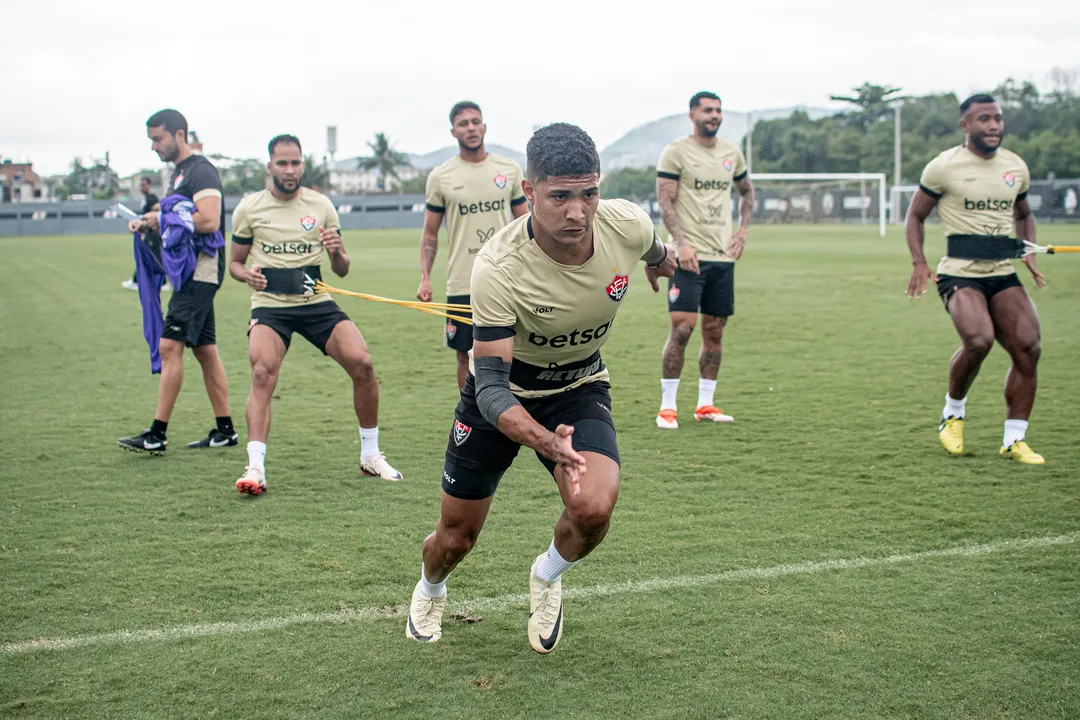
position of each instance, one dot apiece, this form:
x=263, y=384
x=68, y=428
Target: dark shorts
x=315, y=322
x=190, y=316
x=458, y=335
x=712, y=292
x=947, y=285
x=477, y=454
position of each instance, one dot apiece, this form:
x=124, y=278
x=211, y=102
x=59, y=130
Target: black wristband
x=662, y=260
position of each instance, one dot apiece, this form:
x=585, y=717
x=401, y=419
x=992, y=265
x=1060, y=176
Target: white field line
x=503, y=602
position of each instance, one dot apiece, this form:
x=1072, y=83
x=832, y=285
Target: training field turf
x=821, y=558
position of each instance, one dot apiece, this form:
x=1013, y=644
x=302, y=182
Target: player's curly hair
x=561, y=150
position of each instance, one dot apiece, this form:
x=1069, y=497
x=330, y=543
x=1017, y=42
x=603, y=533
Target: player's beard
x=463, y=145
x=282, y=187
x=170, y=154
x=707, y=131
x=979, y=141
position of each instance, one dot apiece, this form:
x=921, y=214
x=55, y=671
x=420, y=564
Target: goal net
x=858, y=198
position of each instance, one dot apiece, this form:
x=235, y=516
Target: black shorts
x=190, y=316
x=477, y=454
x=712, y=292
x=947, y=285
x=315, y=322
x=458, y=335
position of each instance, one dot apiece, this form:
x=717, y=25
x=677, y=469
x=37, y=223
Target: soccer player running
x=980, y=191
x=545, y=291
x=285, y=231
x=478, y=193
x=693, y=186
x=189, y=319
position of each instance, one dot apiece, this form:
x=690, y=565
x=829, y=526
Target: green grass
x=835, y=380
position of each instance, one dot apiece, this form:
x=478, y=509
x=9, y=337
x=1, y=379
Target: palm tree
x=385, y=159
x=316, y=175
x=872, y=101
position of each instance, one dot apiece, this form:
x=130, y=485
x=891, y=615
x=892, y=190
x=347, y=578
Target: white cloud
x=83, y=77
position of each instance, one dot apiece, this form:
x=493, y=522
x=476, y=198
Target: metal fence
x=805, y=202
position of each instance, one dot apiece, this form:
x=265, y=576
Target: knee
x=361, y=369
x=205, y=353
x=979, y=344
x=1030, y=348
x=170, y=350
x=592, y=516
x=263, y=377
x=455, y=543
x=680, y=334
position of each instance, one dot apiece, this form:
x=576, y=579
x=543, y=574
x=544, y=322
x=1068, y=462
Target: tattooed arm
x=429, y=248
x=746, y=209
x=667, y=190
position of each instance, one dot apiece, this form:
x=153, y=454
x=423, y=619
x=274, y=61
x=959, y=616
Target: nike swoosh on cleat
x=416, y=634
x=549, y=642
x=215, y=443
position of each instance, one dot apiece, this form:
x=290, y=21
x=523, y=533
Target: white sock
x=705, y=391
x=553, y=565
x=369, y=442
x=1014, y=430
x=669, y=388
x=431, y=589
x=954, y=408
x=257, y=454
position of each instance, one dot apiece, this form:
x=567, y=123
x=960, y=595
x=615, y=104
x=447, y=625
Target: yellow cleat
x=1020, y=451
x=951, y=434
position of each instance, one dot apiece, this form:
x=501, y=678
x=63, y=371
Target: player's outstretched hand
x=920, y=275
x=561, y=450
x=255, y=278
x=423, y=293
x=331, y=240
x=665, y=269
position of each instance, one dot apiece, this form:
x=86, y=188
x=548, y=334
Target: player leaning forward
x=285, y=230
x=545, y=291
x=980, y=190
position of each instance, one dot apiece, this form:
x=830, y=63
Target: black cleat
x=216, y=438
x=146, y=441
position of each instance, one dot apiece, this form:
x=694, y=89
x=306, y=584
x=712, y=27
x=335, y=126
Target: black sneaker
x=146, y=441
x=216, y=438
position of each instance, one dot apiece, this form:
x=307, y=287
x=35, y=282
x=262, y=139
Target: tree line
x=1042, y=127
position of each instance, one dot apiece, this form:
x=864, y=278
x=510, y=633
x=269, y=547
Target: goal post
x=821, y=197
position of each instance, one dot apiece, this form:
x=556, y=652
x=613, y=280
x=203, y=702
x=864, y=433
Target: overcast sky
x=80, y=78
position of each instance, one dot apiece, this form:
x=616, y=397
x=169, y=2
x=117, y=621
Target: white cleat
x=708, y=412
x=129, y=284
x=378, y=467
x=545, y=611
x=667, y=420
x=252, y=482
x=424, y=623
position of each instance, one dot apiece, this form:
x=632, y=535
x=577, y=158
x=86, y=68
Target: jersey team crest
x=728, y=165
x=307, y=222
x=500, y=181
x=178, y=181
x=1009, y=179
x=461, y=432
x=451, y=330
x=616, y=289
x=673, y=294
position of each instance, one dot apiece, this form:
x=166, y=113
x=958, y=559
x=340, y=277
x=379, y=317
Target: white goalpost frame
x=850, y=177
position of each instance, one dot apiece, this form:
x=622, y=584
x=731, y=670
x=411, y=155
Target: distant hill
x=641, y=147
x=438, y=157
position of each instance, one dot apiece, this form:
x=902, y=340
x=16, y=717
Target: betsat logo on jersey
x=307, y=222
x=500, y=181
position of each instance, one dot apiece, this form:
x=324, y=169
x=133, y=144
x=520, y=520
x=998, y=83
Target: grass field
x=821, y=558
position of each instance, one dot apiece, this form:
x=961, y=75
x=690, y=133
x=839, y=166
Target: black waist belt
x=292, y=281
x=553, y=377
x=984, y=247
